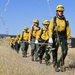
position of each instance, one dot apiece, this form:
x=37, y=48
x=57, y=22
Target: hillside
x=12, y=63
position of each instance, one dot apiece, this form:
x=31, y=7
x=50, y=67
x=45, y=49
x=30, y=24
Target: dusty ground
x=12, y=63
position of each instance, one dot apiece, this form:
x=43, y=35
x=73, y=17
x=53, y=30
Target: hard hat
x=46, y=22
x=60, y=8
x=36, y=21
x=25, y=28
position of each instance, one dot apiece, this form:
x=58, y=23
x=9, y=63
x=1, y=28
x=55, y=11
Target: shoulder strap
x=32, y=28
x=55, y=21
x=66, y=22
x=41, y=31
x=22, y=34
x=55, y=24
x=39, y=28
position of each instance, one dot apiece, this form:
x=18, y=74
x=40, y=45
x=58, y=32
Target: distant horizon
x=15, y=35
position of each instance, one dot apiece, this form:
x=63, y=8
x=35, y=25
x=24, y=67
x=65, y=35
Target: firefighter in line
x=11, y=42
x=32, y=37
x=59, y=34
x=24, y=41
x=42, y=37
x=16, y=43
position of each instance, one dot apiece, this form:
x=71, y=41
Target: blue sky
x=21, y=13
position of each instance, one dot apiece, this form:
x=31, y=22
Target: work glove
x=28, y=41
x=18, y=42
x=36, y=41
x=14, y=44
x=69, y=41
x=50, y=41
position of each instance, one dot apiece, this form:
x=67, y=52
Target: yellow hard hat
x=60, y=8
x=46, y=22
x=25, y=28
x=36, y=21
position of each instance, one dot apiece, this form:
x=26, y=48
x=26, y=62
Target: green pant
x=17, y=47
x=12, y=46
x=34, y=48
x=47, y=53
x=24, y=47
x=64, y=48
x=44, y=49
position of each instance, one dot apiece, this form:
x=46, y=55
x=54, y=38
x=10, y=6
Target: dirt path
x=12, y=63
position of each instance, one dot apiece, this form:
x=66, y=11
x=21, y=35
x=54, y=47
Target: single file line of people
x=43, y=41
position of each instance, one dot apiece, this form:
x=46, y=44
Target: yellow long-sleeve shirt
x=60, y=27
x=43, y=34
x=16, y=39
x=33, y=32
x=25, y=36
x=11, y=41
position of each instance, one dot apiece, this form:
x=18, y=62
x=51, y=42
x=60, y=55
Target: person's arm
x=38, y=34
x=68, y=32
x=30, y=33
x=51, y=28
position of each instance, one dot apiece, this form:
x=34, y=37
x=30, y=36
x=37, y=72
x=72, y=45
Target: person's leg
x=26, y=48
x=33, y=49
x=37, y=52
x=42, y=51
x=64, y=53
x=47, y=55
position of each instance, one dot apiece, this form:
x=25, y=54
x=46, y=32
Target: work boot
x=36, y=60
x=57, y=69
x=47, y=62
x=23, y=56
x=62, y=69
x=40, y=61
x=17, y=51
x=54, y=63
x=32, y=58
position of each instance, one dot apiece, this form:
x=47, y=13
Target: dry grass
x=12, y=63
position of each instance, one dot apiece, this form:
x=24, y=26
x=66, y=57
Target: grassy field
x=12, y=63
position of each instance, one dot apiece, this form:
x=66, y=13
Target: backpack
x=33, y=28
x=39, y=29
x=66, y=22
x=55, y=24
x=40, y=39
x=23, y=35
